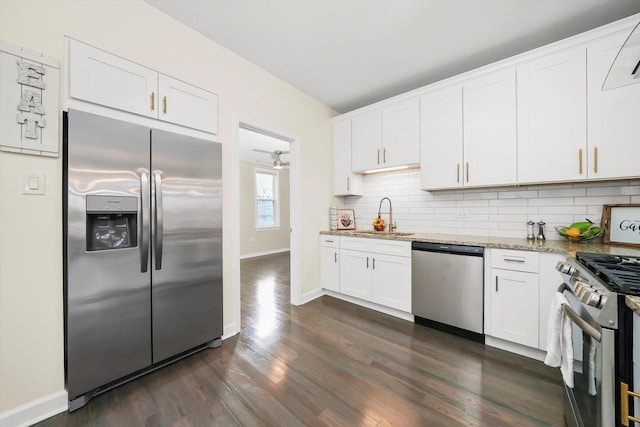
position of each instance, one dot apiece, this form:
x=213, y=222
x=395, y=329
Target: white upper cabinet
x=401, y=133
x=345, y=182
x=441, y=138
x=187, y=105
x=102, y=78
x=552, y=105
x=366, y=141
x=490, y=144
x=386, y=137
x=99, y=77
x=613, y=115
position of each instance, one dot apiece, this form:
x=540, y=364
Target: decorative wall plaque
x=29, y=101
x=621, y=224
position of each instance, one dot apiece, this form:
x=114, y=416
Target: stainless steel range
x=595, y=286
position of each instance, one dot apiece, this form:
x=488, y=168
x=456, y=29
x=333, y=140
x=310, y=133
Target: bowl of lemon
x=582, y=231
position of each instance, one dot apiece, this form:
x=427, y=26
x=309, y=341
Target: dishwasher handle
x=449, y=249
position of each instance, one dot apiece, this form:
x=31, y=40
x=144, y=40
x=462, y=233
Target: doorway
x=264, y=226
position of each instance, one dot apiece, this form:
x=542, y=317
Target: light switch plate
x=32, y=183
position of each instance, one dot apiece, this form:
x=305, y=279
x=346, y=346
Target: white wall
x=31, y=324
x=501, y=212
x=255, y=241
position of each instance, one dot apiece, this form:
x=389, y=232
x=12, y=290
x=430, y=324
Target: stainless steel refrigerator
x=143, y=250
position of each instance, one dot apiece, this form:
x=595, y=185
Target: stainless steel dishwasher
x=447, y=288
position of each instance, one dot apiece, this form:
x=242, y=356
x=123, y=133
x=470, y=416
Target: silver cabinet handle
x=348, y=184
x=367, y=262
x=335, y=257
x=374, y=263
x=158, y=220
x=144, y=217
x=513, y=260
x=496, y=283
x=378, y=156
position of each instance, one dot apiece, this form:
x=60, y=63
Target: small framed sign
x=621, y=224
x=346, y=219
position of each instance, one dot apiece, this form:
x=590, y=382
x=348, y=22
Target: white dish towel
x=559, y=339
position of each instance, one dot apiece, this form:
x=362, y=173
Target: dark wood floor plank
x=330, y=363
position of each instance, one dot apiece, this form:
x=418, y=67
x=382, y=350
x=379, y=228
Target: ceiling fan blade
x=263, y=151
x=279, y=152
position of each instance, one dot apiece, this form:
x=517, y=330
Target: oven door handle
x=587, y=328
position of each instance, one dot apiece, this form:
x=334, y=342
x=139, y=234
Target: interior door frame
x=295, y=240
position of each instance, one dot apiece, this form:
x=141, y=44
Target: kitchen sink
x=384, y=233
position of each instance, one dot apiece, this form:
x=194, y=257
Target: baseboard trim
x=258, y=254
x=522, y=350
x=373, y=306
x=230, y=330
x=35, y=411
x=310, y=296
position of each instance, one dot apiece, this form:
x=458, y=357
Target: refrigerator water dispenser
x=111, y=222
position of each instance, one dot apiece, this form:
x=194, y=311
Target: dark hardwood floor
x=332, y=363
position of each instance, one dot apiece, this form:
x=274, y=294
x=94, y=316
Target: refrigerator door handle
x=158, y=219
x=144, y=216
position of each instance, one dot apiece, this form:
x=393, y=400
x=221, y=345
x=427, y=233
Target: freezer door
x=187, y=243
x=107, y=293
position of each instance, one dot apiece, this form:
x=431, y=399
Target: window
x=267, y=207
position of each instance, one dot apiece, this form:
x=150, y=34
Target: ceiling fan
x=275, y=156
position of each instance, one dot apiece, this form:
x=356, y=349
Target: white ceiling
x=350, y=53
x=248, y=140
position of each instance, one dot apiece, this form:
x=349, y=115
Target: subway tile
x=563, y=192
x=601, y=200
x=569, y=210
x=555, y=201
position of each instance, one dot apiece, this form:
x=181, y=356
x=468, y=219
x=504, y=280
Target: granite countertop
x=556, y=246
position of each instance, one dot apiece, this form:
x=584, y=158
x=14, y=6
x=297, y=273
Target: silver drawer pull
x=513, y=260
x=329, y=241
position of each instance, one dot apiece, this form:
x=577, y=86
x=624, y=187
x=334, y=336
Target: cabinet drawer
x=514, y=260
x=391, y=247
x=330, y=241
x=355, y=243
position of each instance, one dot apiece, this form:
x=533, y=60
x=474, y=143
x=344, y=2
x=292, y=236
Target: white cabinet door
x=612, y=116
x=441, y=138
x=391, y=281
x=552, y=118
x=355, y=273
x=345, y=182
x=401, y=133
x=549, y=280
x=101, y=78
x=330, y=268
x=366, y=141
x=490, y=143
x=187, y=105
x=514, y=306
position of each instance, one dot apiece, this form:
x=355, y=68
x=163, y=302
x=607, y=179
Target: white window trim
x=276, y=199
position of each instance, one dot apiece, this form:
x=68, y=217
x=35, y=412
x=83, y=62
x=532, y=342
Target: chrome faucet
x=392, y=226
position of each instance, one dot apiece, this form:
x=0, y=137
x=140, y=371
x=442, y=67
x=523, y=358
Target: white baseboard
x=257, y=254
x=35, y=411
x=511, y=347
x=230, y=330
x=373, y=306
x=310, y=296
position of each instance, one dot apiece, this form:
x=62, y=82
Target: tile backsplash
x=500, y=212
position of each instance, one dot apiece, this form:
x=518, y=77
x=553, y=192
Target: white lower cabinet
x=514, y=306
x=519, y=294
x=330, y=262
x=376, y=270
x=391, y=281
x=514, y=296
x=355, y=274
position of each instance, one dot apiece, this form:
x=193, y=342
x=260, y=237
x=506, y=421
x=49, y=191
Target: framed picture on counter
x=346, y=219
x=621, y=224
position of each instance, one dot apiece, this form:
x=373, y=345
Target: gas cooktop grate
x=620, y=272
